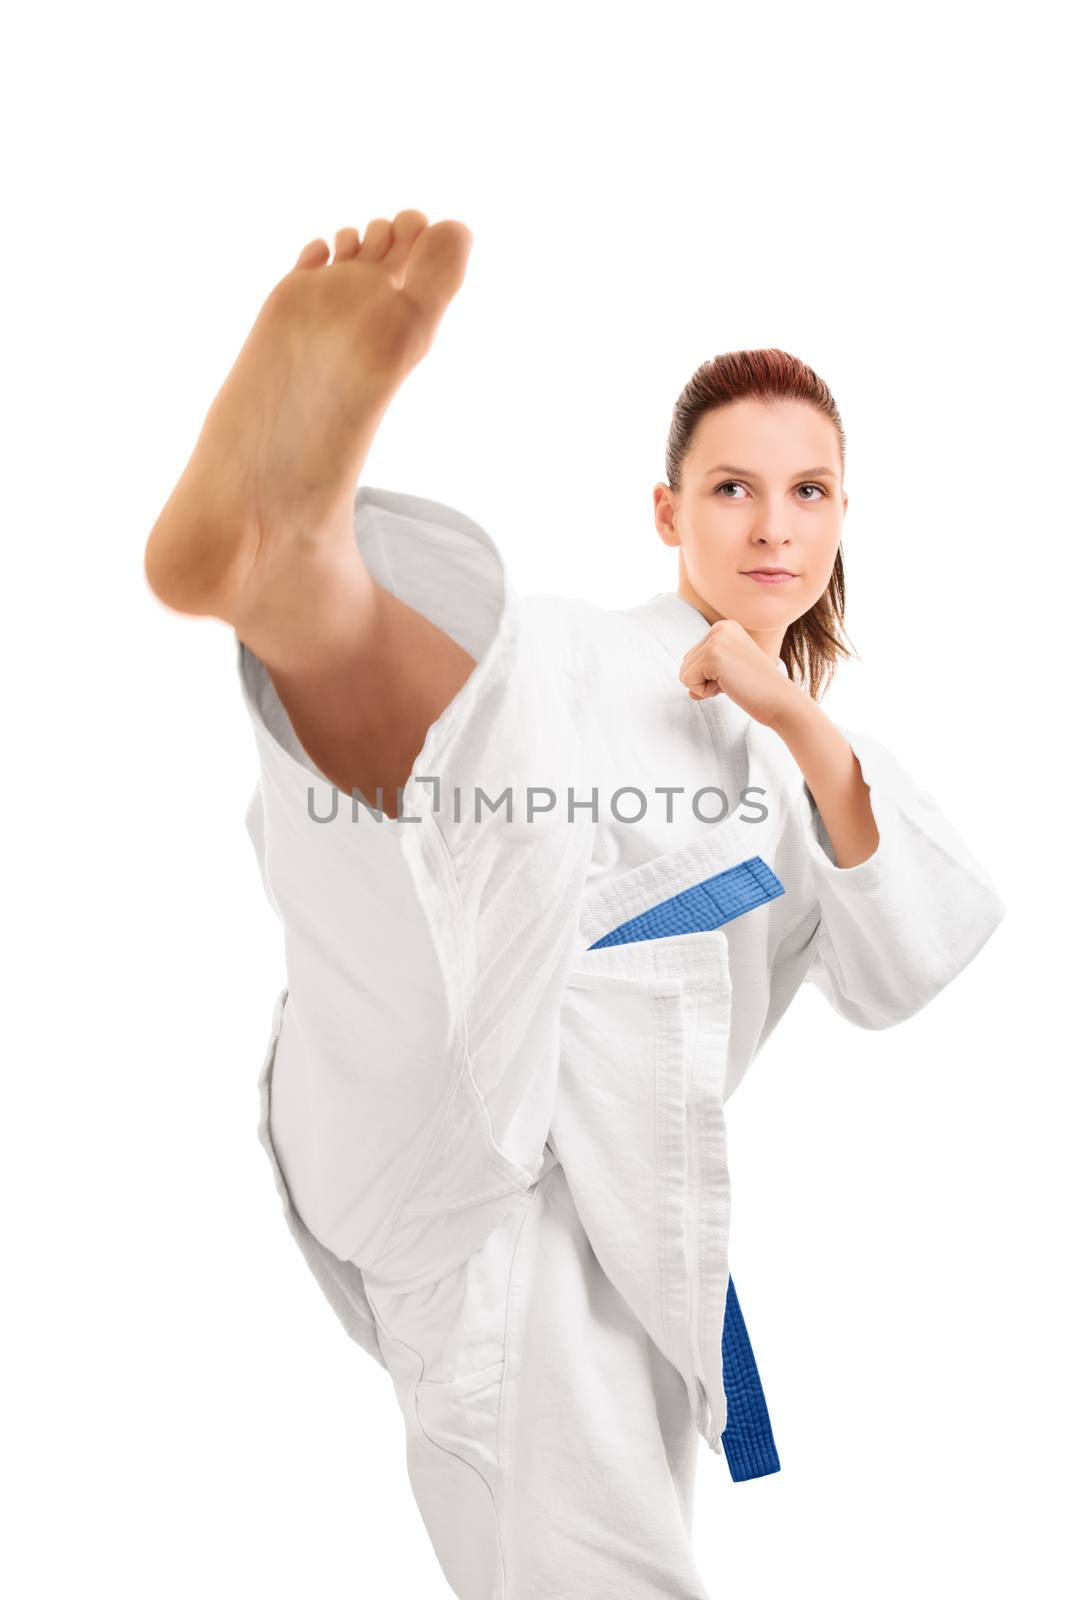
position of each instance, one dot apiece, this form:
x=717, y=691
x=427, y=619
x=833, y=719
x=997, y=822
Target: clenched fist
x=729, y=661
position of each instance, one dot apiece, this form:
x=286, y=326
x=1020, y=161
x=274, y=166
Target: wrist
x=796, y=713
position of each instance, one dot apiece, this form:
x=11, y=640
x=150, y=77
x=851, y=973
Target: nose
x=769, y=527
x=771, y=538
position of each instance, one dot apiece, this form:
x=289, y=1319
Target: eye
x=732, y=483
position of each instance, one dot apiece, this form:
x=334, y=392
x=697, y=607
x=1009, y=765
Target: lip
x=771, y=575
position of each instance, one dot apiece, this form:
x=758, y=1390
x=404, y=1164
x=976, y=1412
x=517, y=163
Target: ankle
x=321, y=615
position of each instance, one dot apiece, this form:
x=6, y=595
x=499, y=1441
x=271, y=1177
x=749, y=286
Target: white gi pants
x=561, y=1465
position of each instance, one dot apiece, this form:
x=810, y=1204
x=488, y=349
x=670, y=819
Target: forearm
x=833, y=774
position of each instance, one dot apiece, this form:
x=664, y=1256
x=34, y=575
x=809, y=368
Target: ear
x=662, y=509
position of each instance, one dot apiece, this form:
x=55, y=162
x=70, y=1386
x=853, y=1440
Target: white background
x=873, y=189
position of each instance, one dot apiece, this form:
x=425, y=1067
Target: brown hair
x=812, y=643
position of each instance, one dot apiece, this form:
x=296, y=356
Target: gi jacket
x=471, y=998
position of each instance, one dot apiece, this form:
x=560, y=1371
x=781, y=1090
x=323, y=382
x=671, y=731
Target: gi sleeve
x=898, y=927
x=425, y=954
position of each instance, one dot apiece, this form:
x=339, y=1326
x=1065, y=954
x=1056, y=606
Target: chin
x=768, y=610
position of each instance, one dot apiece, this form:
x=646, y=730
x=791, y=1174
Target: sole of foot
x=266, y=498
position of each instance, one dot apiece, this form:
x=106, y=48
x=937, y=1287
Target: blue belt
x=747, y=1439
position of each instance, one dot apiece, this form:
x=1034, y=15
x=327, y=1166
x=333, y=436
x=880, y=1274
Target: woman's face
x=761, y=487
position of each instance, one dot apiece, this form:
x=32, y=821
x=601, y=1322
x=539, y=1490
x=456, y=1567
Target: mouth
x=769, y=574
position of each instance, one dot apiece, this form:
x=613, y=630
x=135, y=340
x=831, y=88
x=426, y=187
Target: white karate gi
x=503, y=1153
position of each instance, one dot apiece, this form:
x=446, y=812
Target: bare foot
x=265, y=506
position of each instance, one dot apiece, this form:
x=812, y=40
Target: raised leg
x=258, y=531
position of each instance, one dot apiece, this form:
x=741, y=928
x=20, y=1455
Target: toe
x=314, y=254
x=376, y=240
x=407, y=225
x=345, y=244
x=437, y=266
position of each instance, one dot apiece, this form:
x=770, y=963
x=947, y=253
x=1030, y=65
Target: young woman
x=549, y=876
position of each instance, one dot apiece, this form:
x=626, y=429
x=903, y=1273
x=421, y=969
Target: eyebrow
x=744, y=472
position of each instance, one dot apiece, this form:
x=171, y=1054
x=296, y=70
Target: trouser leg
x=426, y=958
x=550, y=1446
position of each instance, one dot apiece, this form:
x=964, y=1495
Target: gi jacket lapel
x=639, y=1122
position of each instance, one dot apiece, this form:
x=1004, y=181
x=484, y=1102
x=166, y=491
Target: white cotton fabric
x=477, y=1123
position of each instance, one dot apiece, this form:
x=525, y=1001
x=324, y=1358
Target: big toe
x=437, y=265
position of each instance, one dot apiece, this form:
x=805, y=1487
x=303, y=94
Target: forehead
x=765, y=436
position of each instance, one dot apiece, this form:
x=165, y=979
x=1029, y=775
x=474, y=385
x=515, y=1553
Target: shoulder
x=587, y=632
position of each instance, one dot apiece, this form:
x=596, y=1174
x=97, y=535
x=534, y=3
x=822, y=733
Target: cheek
x=713, y=557
x=822, y=552
x=817, y=576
